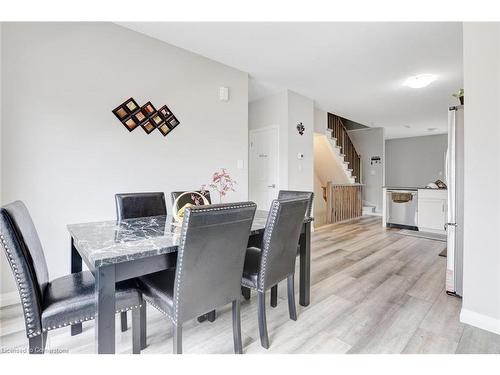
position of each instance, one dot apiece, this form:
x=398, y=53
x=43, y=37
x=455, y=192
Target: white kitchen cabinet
x=432, y=210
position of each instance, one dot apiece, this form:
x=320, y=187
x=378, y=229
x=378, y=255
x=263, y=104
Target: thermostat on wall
x=300, y=156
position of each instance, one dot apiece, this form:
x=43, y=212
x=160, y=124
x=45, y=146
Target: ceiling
x=352, y=69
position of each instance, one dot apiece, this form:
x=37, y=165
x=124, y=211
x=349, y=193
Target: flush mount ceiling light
x=419, y=81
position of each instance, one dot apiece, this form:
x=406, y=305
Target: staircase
x=341, y=157
x=347, y=151
x=337, y=167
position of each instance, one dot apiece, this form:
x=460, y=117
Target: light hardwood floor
x=373, y=291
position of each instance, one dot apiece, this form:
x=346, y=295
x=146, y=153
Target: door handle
x=272, y=186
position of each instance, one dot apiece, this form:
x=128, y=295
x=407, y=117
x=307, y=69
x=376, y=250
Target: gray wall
x=415, y=161
x=65, y=154
x=370, y=142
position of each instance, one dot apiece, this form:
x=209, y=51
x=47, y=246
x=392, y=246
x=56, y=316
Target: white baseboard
x=373, y=214
x=8, y=299
x=480, y=321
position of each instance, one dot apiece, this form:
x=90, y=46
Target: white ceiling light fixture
x=419, y=81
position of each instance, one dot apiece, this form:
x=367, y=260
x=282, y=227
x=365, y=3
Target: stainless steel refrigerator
x=455, y=182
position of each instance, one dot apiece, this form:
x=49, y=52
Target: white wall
x=370, y=142
x=415, y=161
x=320, y=121
x=300, y=171
x=481, y=294
x=286, y=109
x=268, y=111
x=65, y=154
x=7, y=281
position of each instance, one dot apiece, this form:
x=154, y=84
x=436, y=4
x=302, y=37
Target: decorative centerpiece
x=197, y=198
x=222, y=183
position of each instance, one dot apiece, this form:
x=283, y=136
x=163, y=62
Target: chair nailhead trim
x=85, y=319
x=159, y=309
x=20, y=278
x=26, y=303
x=180, y=254
x=267, y=241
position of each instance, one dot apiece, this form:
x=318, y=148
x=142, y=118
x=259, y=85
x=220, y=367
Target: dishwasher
x=402, y=209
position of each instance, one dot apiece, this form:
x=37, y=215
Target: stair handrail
x=339, y=132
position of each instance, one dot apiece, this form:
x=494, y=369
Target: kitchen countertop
x=409, y=188
x=402, y=187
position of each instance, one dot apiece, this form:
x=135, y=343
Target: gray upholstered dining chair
x=195, y=198
x=295, y=194
x=286, y=194
x=211, y=253
x=134, y=205
x=274, y=261
x=292, y=194
x=62, y=302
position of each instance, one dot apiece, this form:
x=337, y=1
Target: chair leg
x=211, y=316
x=274, y=296
x=136, y=331
x=291, y=297
x=123, y=317
x=264, y=339
x=246, y=292
x=177, y=338
x=202, y=318
x=37, y=344
x=143, y=325
x=238, y=346
x=76, y=329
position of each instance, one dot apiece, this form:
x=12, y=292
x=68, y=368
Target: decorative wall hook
x=301, y=128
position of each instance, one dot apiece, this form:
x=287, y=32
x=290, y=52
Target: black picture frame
x=131, y=115
x=164, y=129
x=131, y=105
x=148, y=109
x=130, y=123
x=156, y=119
x=140, y=117
x=165, y=112
x=121, y=112
x=172, y=122
x=148, y=126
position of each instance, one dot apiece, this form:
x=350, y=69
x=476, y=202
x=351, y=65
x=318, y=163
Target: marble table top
x=108, y=242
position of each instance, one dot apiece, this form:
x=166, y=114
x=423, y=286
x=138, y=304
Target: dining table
x=118, y=250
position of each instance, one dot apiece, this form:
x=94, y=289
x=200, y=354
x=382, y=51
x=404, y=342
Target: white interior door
x=264, y=166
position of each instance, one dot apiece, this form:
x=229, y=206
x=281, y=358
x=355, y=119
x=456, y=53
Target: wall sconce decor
x=301, y=128
x=131, y=116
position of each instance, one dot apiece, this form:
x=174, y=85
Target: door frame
x=258, y=130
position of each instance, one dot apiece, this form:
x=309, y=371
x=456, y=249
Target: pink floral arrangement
x=222, y=183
